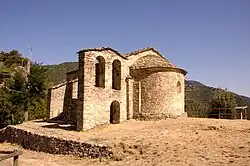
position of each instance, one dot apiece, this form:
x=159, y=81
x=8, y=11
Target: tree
x=223, y=101
x=12, y=57
x=5, y=108
x=195, y=109
x=37, y=89
x=16, y=94
x=12, y=100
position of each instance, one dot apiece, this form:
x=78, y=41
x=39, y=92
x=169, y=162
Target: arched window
x=100, y=72
x=116, y=75
x=178, y=87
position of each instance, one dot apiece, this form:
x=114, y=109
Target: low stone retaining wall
x=53, y=145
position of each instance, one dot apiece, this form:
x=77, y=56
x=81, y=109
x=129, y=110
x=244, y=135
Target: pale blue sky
x=209, y=38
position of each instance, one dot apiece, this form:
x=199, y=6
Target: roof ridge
x=140, y=50
x=102, y=49
x=126, y=55
x=144, y=50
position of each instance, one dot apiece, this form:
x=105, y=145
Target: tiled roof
x=151, y=61
x=142, y=50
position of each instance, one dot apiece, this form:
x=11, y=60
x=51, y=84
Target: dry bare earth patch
x=167, y=142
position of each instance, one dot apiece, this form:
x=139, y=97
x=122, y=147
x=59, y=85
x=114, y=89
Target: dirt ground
x=167, y=142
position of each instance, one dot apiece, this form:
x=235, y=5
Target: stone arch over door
x=115, y=112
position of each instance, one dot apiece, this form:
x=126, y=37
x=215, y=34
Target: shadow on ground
x=67, y=127
x=56, y=124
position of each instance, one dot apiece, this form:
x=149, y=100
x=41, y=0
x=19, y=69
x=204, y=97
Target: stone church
x=110, y=87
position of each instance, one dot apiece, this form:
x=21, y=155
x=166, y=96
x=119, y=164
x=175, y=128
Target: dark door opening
x=115, y=112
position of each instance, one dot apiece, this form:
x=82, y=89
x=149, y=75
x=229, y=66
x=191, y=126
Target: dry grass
x=166, y=142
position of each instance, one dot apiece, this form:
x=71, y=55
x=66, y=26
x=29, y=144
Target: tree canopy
x=23, y=90
x=223, y=103
x=223, y=99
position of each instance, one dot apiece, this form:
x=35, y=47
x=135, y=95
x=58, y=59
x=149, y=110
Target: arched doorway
x=115, y=112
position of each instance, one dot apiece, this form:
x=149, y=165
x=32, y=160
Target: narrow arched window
x=100, y=72
x=116, y=75
x=178, y=87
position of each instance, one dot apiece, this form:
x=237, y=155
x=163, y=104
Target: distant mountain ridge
x=196, y=94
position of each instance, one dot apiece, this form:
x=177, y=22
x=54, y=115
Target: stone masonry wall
x=72, y=77
x=62, y=98
x=53, y=145
x=69, y=107
x=136, y=98
x=97, y=100
x=156, y=93
x=129, y=100
x=160, y=96
x=56, y=100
